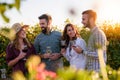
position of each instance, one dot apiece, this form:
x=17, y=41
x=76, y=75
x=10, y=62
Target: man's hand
x=46, y=55
x=54, y=56
x=63, y=51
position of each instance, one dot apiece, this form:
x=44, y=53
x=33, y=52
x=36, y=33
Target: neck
x=92, y=26
x=48, y=30
x=21, y=41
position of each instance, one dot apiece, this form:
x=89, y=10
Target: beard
x=44, y=30
x=87, y=24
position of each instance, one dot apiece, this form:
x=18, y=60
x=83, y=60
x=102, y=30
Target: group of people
x=47, y=45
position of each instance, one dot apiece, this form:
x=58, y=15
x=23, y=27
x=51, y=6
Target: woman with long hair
x=19, y=49
x=72, y=52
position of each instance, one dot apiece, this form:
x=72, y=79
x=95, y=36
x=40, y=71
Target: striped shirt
x=96, y=40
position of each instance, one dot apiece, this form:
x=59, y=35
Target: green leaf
x=10, y=6
x=17, y=4
x=6, y=19
x=2, y=8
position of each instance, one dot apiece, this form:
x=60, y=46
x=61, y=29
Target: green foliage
x=4, y=7
x=113, y=74
x=73, y=74
x=33, y=32
x=85, y=33
x=113, y=49
x=3, y=42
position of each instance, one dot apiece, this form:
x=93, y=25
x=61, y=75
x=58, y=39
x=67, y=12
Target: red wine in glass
x=63, y=45
x=25, y=51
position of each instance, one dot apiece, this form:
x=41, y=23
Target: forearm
x=13, y=62
x=91, y=54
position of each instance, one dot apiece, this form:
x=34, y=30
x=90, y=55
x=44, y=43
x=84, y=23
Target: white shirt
x=77, y=60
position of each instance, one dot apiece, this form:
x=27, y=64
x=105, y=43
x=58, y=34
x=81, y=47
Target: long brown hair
x=66, y=37
x=15, y=42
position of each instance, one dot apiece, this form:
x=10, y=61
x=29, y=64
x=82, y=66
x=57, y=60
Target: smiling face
x=22, y=34
x=44, y=25
x=86, y=20
x=70, y=32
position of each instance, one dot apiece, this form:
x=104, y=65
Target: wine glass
x=63, y=44
x=25, y=50
x=72, y=43
x=48, y=50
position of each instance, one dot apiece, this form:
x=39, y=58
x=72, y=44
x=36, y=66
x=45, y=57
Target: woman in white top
x=72, y=52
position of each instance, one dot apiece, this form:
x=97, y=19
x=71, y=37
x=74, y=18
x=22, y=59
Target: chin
x=24, y=37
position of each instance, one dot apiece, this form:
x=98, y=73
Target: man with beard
x=47, y=44
x=97, y=40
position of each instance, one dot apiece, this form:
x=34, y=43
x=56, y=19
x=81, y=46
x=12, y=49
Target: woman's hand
x=78, y=49
x=21, y=55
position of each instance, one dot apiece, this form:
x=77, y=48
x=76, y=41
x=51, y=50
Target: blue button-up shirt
x=52, y=40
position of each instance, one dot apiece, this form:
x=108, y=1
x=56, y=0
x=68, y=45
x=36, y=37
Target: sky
x=60, y=11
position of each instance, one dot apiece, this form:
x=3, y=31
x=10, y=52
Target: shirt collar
x=93, y=29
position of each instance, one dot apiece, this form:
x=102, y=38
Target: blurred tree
x=67, y=21
x=6, y=5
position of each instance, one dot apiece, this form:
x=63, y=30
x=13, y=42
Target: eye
x=42, y=23
x=69, y=30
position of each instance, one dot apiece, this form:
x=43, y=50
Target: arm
x=99, y=42
x=80, y=46
x=10, y=56
x=14, y=61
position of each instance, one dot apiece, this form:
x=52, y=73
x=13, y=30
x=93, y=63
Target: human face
x=70, y=32
x=22, y=34
x=86, y=20
x=44, y=25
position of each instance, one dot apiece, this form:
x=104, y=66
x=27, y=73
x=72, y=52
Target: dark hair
x=91, y=14
x=66, y=37
x=45, y=16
